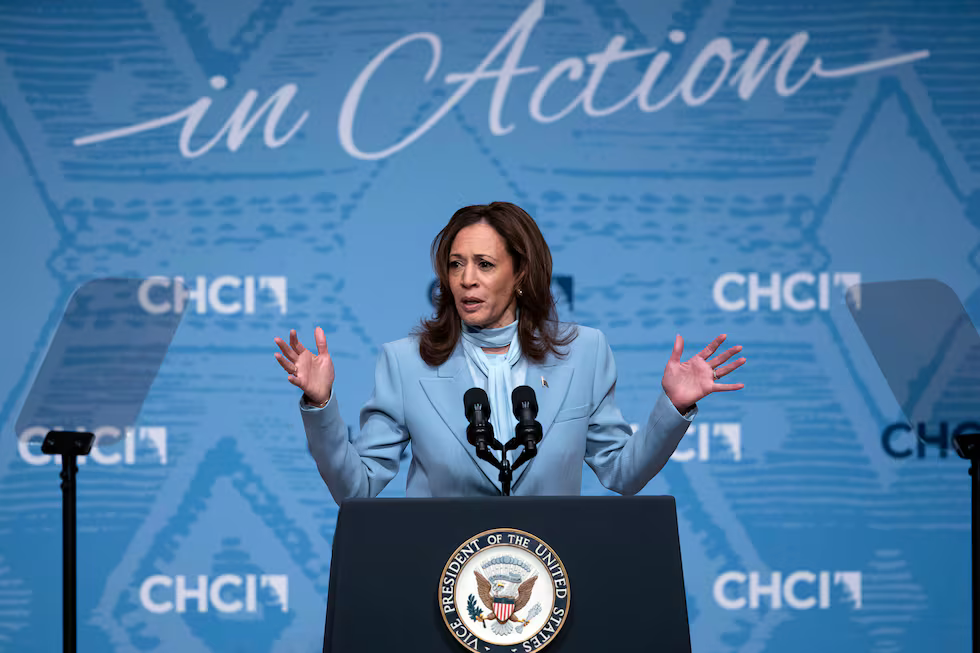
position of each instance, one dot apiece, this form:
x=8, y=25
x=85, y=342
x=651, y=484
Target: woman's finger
x=710, y=349
x=727, y=387
x=675, y=355
x=321, y=341
x=292, y=379
x=721, y=358
x=722, y=371
x=295, y=343
x=286, y=351
x=286, y=364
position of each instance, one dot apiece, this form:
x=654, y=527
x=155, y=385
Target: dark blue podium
x=621, y=556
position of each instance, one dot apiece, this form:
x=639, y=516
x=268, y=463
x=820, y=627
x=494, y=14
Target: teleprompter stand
x=967, y=445
x=98, y=370
x=69, y=445
x=929, y=353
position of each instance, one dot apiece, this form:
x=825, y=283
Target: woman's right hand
x=313, y=374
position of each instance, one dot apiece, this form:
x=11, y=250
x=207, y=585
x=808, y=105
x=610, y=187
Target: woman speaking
x=495, y=328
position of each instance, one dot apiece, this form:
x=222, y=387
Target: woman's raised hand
x=687, y=383
x=311, y=373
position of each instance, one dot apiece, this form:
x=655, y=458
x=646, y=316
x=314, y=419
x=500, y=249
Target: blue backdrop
x=697, y=166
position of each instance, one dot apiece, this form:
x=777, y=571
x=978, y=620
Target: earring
x=520, y=293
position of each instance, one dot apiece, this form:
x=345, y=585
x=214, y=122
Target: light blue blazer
x=415, y=402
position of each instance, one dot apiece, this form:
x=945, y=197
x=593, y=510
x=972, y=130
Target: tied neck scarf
x=498, y=370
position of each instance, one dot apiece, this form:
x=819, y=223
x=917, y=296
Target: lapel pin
x=544, y=383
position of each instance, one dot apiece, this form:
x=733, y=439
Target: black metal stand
x=967, y=445
x=506, y=469
x=975, y=482
x=506, y=474
x=69, y=445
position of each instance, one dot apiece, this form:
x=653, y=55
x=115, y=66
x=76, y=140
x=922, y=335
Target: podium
x=621, y=556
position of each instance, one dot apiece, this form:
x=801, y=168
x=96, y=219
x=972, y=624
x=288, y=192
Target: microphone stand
x=506, y=474
x=483, y=448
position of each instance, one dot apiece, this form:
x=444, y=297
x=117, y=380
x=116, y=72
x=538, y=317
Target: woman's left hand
x=687, y=383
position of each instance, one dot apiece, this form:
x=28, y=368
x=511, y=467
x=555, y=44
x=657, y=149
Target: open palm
x=312, y=373
x=686, y=383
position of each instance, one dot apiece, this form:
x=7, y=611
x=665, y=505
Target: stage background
x=770, y=145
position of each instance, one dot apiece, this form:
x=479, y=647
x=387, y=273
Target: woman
x=495, y=328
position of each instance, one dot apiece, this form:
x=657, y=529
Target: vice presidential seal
x=502, y=591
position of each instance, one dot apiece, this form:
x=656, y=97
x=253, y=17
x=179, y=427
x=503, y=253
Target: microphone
x=528, y=432
x=480, y=431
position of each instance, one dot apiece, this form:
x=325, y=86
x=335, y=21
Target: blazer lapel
x=445, y=391
x=550, y=397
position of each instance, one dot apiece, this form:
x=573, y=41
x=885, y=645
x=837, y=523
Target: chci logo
x=224, y=295
x=502, y=590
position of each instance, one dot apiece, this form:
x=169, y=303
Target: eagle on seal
x=500, y=600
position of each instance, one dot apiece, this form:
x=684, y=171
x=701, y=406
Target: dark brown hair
x=538, y=329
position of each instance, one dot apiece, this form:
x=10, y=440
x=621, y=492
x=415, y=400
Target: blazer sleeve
x=363, y=467
x=625, y=462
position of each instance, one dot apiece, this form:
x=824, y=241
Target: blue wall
x=678, y=156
